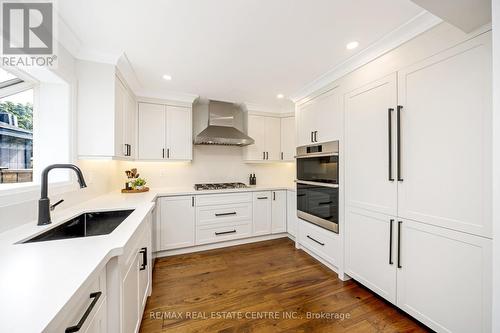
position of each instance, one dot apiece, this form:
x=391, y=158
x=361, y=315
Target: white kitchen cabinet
x=164, y=132
x=320, y=242
x=98, y=323
x=370, y=255
x=106, y=113
x=130, y=296
x=266, y=131
x=288, y=146
x=445, y=278
x=177, y=222
x=291, y=213
x=278, y=208
x=262, y=213
x=320, y=119
x=371, y=145
x=446, y=138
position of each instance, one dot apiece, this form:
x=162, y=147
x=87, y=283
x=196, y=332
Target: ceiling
x=233, y=50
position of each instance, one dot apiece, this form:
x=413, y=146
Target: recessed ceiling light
x=167, y=77
x=352, y=45
x=280, y=96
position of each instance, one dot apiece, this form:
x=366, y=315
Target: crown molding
x=165, y=97
x=409, y=30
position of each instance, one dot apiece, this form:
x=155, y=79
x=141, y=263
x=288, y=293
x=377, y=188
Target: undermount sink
x=84, y=225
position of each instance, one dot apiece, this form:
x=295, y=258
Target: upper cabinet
x=274, y=138
x=320, y=119
x=164, y=132
x=288, y=145
x=106, y=113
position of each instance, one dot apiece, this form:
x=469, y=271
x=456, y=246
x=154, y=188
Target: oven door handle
x=325, y=154
x=317, y=183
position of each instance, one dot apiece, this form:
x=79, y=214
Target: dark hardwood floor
x=263, y=287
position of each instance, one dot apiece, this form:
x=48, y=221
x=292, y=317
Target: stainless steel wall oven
x=318, y=184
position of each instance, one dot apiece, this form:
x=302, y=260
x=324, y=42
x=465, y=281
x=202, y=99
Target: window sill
x=11, y=194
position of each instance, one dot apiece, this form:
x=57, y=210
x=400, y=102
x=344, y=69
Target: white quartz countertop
x=38, y=279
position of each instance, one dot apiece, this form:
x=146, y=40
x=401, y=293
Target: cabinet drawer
x=223, y=199
x=224, y=213
x=220, y=233
x=322, y=242
x=91, y=296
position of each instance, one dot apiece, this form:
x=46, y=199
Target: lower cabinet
x=86, y=311
x=177, y=222
x=439, y=276
x=320, y=242
x=370, y=255
x=262, y=213
x=279, y=213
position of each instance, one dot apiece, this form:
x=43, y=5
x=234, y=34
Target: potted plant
x=139, y=183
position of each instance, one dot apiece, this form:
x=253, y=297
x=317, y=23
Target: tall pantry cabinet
x=418, y=188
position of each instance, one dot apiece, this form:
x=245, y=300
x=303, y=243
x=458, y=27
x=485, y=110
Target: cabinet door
x=291, y=218
x=370, y=255
x=278, y=208
x=98, y=321
x=130, y=123
x=288, y=145
x=130, y=297
x=179, y=133
x=273, y=138
x=151, y=131
x=257, y=131
x=262, y=214
x=445, y=278
x=370, y=150
x=446, y=138
x=120, y=115
x=177, y=222
x=321, y=116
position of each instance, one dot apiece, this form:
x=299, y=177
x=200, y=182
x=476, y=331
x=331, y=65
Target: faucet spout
x=44, y=202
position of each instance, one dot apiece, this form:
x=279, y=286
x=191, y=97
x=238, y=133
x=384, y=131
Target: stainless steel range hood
x=221, y=124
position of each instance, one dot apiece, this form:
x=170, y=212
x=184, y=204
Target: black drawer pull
x=325, y=203
x=225, y=232
x=144, y=252
x=301, y=195
x=225, y=214
x=78, y=326
x=390, y=241
x=261, y=198
x=399, y=244
x=322, y=244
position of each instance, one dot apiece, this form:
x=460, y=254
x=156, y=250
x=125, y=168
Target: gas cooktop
x=218, y=186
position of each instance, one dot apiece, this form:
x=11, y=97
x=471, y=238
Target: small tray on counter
x=145, y=189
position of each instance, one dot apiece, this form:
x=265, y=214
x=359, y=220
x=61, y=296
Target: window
x=16, y=130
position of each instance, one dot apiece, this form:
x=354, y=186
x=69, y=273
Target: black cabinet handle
x=274, y=196
x=144, y=252
x=225, y=232
x=400, y=179
x=267, y=155
x=78, y=326
x=168, y=152
x=324, y=203
x=301, y=195
x=225, y=214
x=399, y=244
x=281, y=155
x=389, y=131
x=390, y=241
x=263, y=155
x=322, y=244
x=192, y=201
x=261, y=198
x=163, y=153
x=315, y=136
x=312, y=136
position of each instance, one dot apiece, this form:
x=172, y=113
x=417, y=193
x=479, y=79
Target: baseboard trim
x=336, y=269
x=205, y=247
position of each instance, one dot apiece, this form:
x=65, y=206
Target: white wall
x=496, y=165
x=210, y=164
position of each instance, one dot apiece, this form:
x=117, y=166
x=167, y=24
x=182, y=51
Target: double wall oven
x=318, y=184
